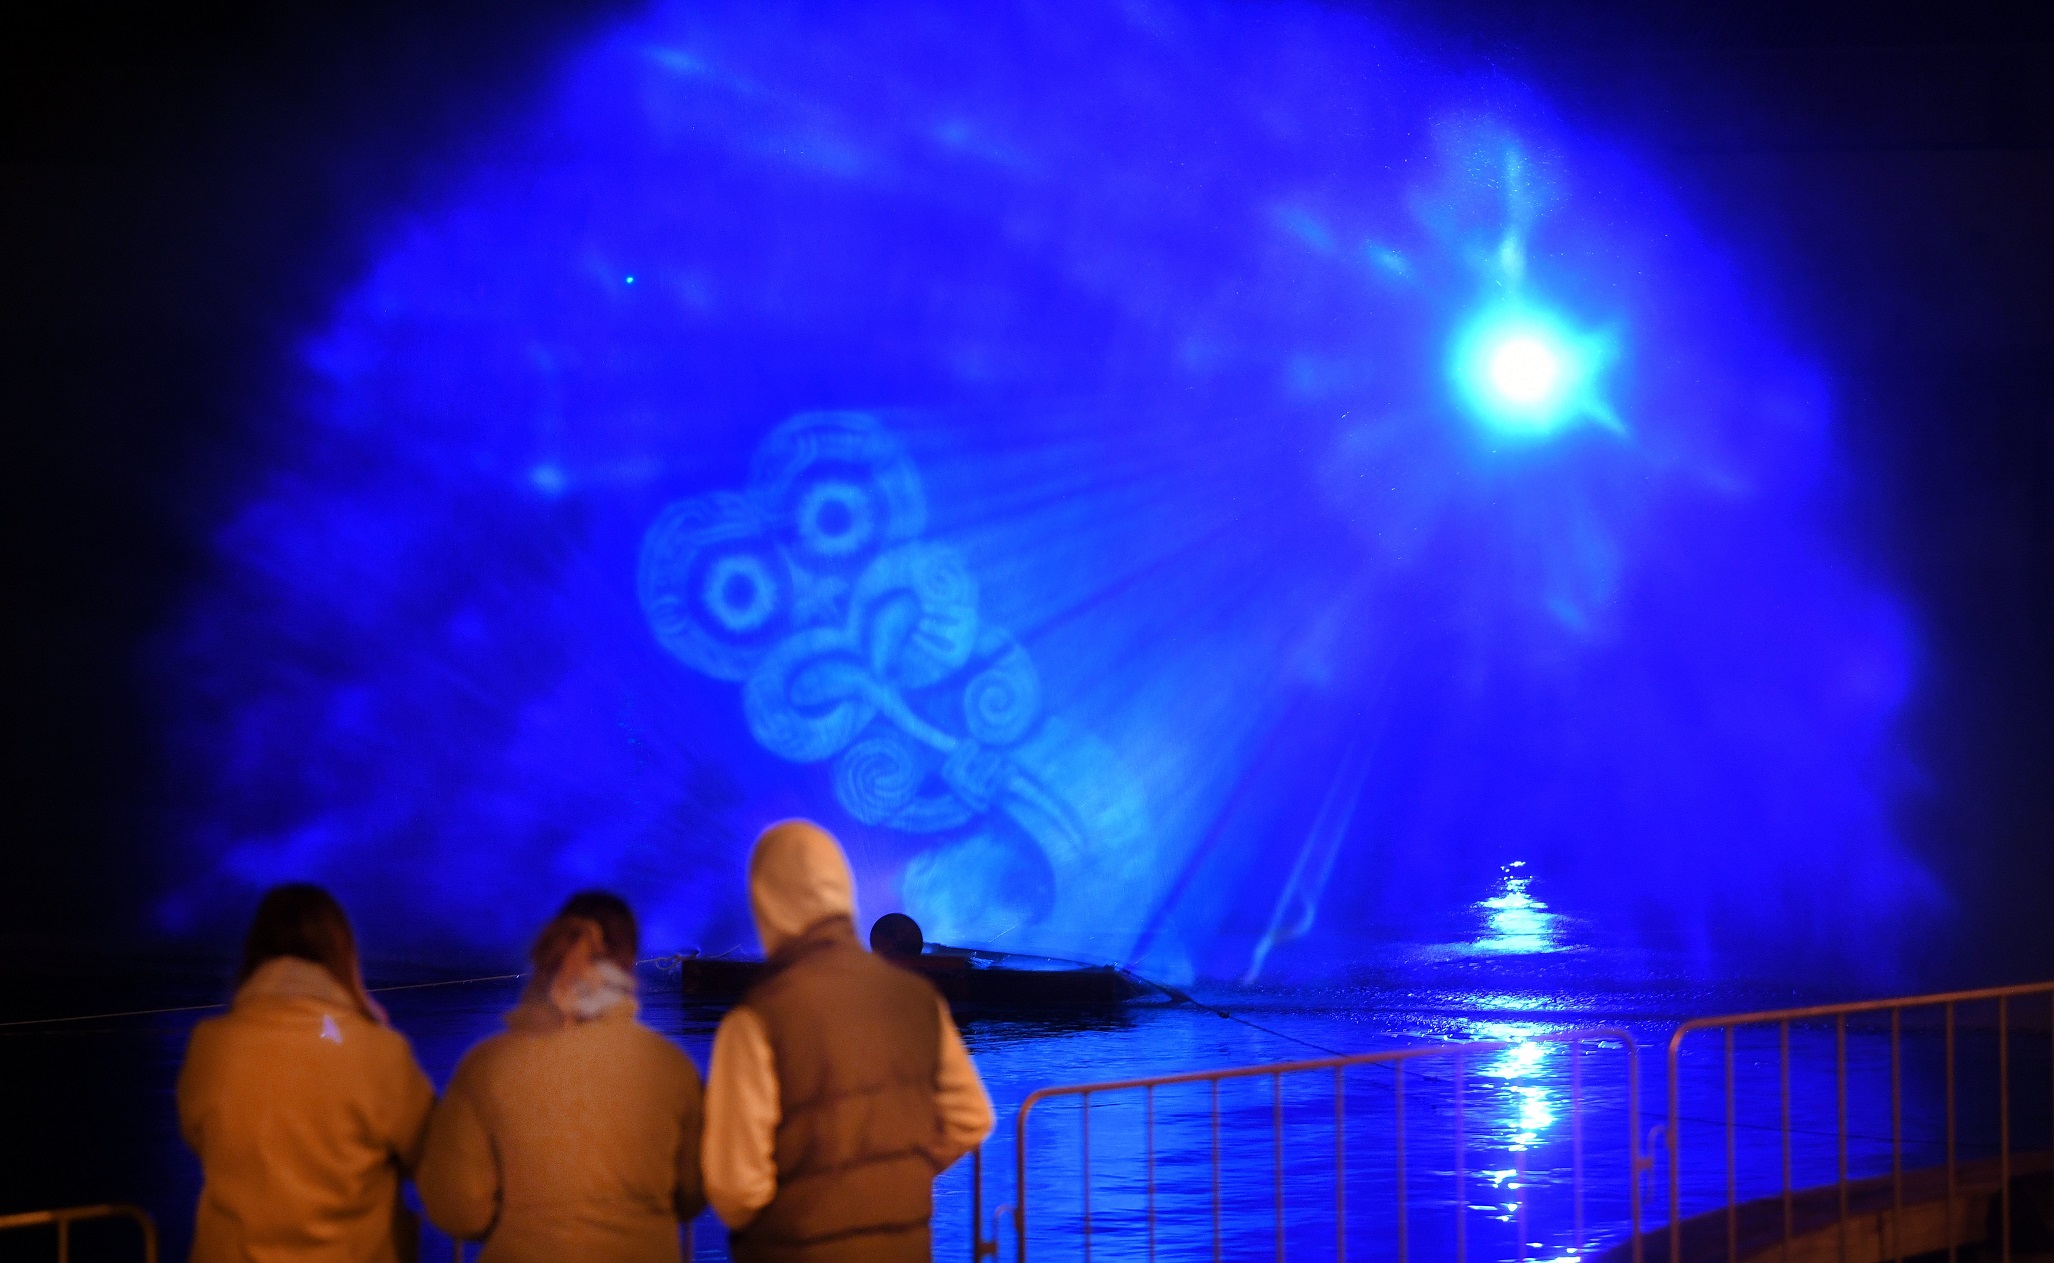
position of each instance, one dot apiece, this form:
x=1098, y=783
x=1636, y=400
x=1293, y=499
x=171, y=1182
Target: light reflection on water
x=1512, y=921
x=1519, y=922
x=1520, y=1069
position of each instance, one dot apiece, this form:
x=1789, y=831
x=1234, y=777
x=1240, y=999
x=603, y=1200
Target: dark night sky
x=186, y=187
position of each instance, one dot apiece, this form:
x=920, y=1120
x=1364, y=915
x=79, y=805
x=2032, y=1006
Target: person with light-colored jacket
x=306, y=1109
x=574, y=1133
x=840, y=1087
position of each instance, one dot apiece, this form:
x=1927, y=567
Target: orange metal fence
x=63, y=1219
x=1457, y=1056
x=1840, y=1215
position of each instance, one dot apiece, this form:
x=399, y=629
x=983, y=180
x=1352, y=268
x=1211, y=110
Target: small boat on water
x=970, y=979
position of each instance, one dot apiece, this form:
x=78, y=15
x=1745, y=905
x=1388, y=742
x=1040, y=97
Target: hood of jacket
x=798, y=878
x=584, y=992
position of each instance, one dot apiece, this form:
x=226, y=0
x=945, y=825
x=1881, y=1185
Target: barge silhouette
x=968, y=978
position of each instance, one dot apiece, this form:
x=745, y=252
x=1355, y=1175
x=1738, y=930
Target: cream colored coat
x=305, y=1115
x=561, y=1141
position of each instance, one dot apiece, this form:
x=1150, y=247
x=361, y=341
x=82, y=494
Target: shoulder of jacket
x=386, y=1044
x=207, y=1032
x=664, y=1049
x=479, y=1057
x=209, y=1025
x=909, y=980
x=744, y=1020
x=368, y=1043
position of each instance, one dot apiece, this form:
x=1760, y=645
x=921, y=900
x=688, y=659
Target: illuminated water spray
x=1203, y=528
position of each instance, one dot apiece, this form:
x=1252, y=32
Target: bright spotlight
x=1524, y=369
x=1520, y=371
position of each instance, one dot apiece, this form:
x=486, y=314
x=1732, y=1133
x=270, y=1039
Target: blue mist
x=1063, y=449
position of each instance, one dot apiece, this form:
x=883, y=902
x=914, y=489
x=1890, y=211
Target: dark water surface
x=88, y=1116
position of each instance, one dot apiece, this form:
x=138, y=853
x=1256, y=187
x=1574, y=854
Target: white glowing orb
x=1524, y=369
x=1523, y=372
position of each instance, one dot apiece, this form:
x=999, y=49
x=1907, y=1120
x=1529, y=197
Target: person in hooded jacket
x=304, y=1106
x=574, y=1133
x=839, y=1087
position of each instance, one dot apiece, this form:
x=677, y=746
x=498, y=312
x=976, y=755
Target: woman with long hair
x=305, y=1107
x=574, y=1133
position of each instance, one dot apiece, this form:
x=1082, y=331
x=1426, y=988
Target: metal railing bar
x=1399, y=1060
x=1519, y=1185
x=1732, y=1178
x=1843, y=1131
x=1953, y=1248
x=1398, y=1096
x=1085, y=1113
x=2004, y=1123
x=1461, y=1164
x=1672, y=1138
x=1783, y=1058
x=63, y=1217
x=1020, y=1185
x=1634, y=1161
x=1934, y=1000
x=1896, y=1138
x=1341, y=1164
x=1393, y=1058
x=1946, y=1002
x=1276, y=1102
x=1576, y=1133
x=1151, y=1173
x=1215, y=1170
x=1840, y=1107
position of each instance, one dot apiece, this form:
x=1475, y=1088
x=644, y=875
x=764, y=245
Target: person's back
x=304, y=1109
x=859, y=1139
x=839, y=1088
x=574, y=1134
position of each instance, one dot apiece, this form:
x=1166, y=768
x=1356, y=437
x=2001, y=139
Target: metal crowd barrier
x=63, y=1220
x=1853, y=1203
x=1459, y=1055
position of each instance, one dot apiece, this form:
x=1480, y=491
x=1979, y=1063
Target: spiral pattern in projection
x=1003, y=700
x=839, y=487
x=849, y=633
x=878, y=775
x=714, y=585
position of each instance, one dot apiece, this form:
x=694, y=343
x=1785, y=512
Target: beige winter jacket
x=305, y=1114
x=563, y=1140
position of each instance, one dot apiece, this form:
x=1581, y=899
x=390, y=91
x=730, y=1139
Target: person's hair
x=609, y=912
x=555, y=942
x=301, y=919
x=896, y=934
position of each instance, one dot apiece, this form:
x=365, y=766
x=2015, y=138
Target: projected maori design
x=855, y=640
